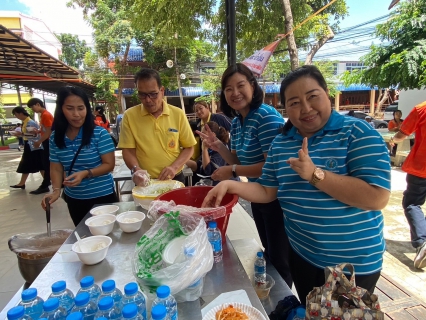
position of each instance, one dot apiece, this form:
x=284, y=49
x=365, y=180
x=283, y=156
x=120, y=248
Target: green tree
x=105, y=81
x=401, y=60
x=113, y=34
x=73, y=50
x=258, y=23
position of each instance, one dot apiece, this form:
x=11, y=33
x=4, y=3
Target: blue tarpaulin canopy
x=186, y=92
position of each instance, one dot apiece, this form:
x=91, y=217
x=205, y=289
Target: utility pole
x=230, y=32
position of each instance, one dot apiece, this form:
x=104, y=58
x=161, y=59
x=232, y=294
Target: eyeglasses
x=152, y=95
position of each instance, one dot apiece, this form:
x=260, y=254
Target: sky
x=61, y=19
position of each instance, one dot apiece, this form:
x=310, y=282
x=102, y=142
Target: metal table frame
x=228, y=275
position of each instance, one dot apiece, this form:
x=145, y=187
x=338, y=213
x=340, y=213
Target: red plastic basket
x=194, y=196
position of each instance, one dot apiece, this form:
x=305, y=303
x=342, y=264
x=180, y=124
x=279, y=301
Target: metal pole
x=230, y=32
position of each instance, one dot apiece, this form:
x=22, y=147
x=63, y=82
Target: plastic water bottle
x=300, y=314
x=17, y=313
x=133, y=295
x=84, y=305
x=195, y=289
x=88, y=284
x=109, y=290
x=159, y=312
x=130, y=312
x=107, y=309
x=165, y=298
x=52, y=310
x=260, y=269
x=215, y=239
x=65, y=296
x=32, y=304
x=75, y=316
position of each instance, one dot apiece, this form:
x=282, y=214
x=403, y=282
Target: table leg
x=117, y=189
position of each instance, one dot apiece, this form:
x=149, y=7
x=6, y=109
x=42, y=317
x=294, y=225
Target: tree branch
x=318, y=45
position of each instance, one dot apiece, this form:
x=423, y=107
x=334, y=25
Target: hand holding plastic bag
x=141, y=178
x=159, y=207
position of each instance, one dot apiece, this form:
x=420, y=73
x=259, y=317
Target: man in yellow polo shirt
x=155, y=136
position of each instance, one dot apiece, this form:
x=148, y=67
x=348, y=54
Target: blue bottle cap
x=212, y=224
x=42, y=318
x=29, y=294
x=130, y=310
x=16, y=313
x=51, y=304
x=300, y=312
x=75, y=316
x=87, y=282
x=158, y=312
x=105, y=303
x=108, y=285
x=131, y=288
x=100, y=318
x=260, y=254
x=59, y=286
x=82, y=298
x=189, y=251
x=163, y=291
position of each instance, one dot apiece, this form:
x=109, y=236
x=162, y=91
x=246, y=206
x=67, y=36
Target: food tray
x=251, y=312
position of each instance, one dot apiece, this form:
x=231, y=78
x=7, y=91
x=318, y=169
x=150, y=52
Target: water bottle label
x=217, y=245
x=259, y=269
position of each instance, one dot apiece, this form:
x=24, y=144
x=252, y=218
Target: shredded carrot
x=231, y=313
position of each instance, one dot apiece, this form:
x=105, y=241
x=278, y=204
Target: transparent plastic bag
x=148, y=266
x=159, y=207
x=34, y=246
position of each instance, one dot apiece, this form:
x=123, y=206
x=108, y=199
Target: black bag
x=63, y=195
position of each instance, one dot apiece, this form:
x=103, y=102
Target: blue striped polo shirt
x=88, y=158
x=322, y=230
x=253, y=138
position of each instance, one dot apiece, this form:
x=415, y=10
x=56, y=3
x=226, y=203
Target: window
x=350, y=66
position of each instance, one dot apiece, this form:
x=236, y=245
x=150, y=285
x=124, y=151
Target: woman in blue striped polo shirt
x=331, y=174
x=253, y=128
x=90, y=181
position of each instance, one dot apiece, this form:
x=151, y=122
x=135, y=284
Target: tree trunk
x=121, y=73
x=291, y=42
x=182, y=104
x=381, y=100
x=318, y=45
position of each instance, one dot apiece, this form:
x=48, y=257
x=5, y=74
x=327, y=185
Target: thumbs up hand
x=303, y=165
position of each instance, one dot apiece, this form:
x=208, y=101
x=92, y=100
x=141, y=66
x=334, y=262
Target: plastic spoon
x=82, y=247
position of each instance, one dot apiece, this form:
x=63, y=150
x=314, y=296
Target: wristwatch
x=133, y=170
x=317, y=176
x=234, y=174
x=90, y=175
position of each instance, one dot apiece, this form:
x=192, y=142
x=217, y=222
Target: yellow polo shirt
x=158, y=141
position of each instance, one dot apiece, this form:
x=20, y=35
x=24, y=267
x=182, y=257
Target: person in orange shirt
x=46, y=121
x=395, y=124
x=100, y=119
x=415, y=166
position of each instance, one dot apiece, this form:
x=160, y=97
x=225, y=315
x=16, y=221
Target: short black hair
x=257, y=93
x=303, y=71
x=100, y=109
x=60, y=122
x=20, y=110
x=146, y=74
x=34, y=101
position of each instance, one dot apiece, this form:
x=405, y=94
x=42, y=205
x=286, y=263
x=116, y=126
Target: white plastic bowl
x=130, y=226
x=101, y=225
x=89, y=243
x=172, y=250
x=107, y=209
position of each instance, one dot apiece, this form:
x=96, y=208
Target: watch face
x=319, y=174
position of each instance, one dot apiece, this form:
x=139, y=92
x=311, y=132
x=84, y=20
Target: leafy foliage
x=258, y=23
x=401, y=62
x=73, y=50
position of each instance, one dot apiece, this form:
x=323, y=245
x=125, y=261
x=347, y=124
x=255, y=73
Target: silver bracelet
x=56, y=189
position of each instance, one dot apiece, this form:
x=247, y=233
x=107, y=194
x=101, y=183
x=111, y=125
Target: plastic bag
x=148, y=267
x=159, y=207
x=35, y=246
